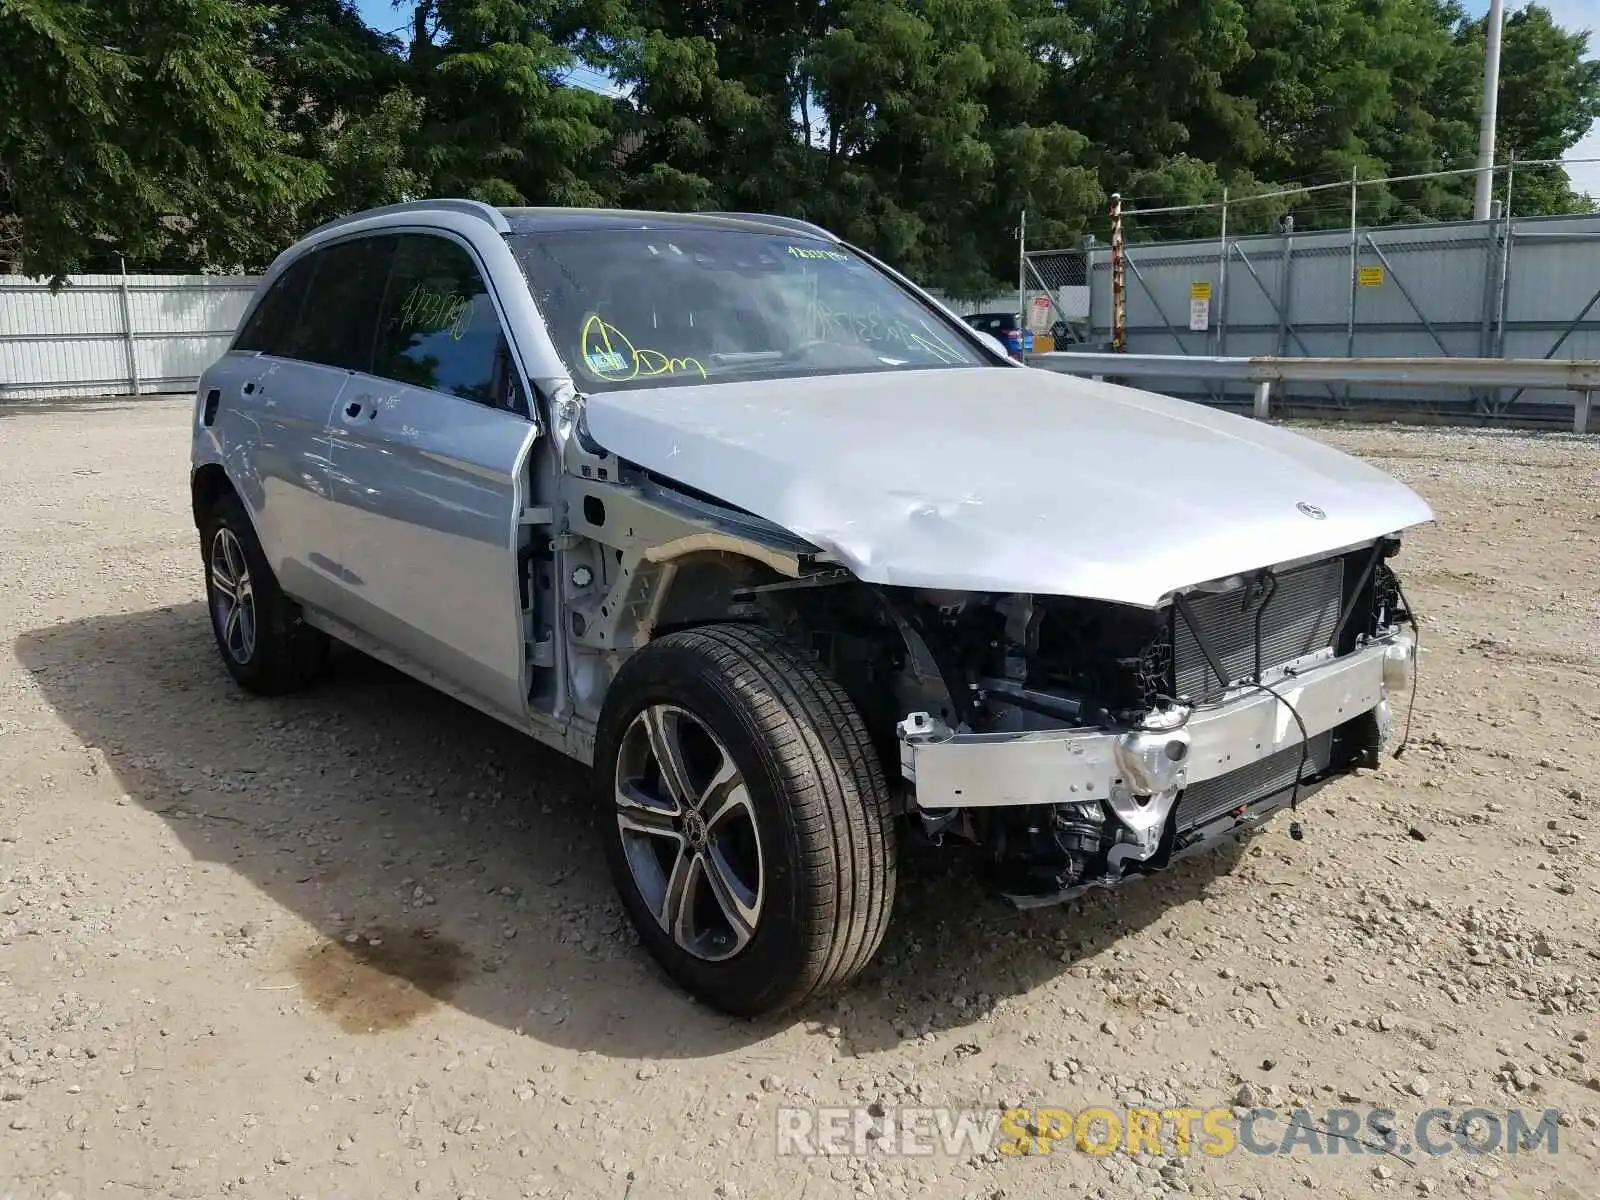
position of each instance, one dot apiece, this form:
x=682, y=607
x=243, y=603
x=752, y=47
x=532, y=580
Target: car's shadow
x=444, y=858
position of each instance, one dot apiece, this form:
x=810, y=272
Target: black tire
x=818, y=799
x=284, y=654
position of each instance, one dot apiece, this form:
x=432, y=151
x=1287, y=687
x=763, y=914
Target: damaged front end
x=1080, y=742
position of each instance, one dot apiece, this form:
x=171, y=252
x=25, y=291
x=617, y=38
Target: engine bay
x=928, y=665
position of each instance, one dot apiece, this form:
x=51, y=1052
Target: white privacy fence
x=114, y=335
x=131, y=335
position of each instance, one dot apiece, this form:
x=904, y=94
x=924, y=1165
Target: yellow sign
x=1370, y=276
x=1200, y=290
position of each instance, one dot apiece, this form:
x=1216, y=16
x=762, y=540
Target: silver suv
x=795, y=558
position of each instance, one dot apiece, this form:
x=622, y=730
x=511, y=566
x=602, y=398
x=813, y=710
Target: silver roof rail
x=475, y=208
x=794, y=224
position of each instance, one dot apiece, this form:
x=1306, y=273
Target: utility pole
x=1022, y=270
x=1488, y=114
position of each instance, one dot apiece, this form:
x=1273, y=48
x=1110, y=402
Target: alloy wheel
x=233, y=598
x=689, y=832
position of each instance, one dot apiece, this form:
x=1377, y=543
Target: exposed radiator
x=1299, y=619
x=1211, y=798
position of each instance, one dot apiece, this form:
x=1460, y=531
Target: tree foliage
x=215, y=130
x=139, y=126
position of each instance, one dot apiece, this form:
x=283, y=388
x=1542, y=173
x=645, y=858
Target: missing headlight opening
x=1132, y=737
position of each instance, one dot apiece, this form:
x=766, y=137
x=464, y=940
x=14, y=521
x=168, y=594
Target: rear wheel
x=746, y=821
x=265, y=643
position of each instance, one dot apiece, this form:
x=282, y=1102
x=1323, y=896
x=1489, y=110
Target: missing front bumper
x=950, y=770
x=1213, y=834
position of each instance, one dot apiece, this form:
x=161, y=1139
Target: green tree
x=140, y=127
x=500, y=123
x=1549, y=97
x=1181, y=98
x=340, y=95
x=1149, y=76
x=719, y=102
x=214, y=131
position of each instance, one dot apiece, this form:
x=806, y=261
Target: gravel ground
x=361, y=944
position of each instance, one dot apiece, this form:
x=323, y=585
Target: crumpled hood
x=1008, y=480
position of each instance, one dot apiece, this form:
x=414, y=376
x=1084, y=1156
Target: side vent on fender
x=213, y=398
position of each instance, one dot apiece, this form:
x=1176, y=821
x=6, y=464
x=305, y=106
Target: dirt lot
x=361, y=944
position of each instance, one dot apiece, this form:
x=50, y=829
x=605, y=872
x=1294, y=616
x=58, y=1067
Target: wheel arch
x=208, y=483
x=704, y=587
x=854, y=630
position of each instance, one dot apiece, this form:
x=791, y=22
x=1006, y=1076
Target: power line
x=1354, y=181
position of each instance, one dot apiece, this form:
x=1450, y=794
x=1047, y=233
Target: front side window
x=644, y=308
x=438, y=328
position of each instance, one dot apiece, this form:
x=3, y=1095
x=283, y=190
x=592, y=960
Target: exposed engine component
x=1042, y=851
x=1081, y=834
x=1070, y=660
x=1120, y=656
x=1048, y=850
x=1387, y=607
x=954, y=664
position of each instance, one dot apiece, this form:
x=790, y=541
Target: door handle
x=354, y=409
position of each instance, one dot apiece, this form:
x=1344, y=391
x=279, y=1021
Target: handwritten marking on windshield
x=609, y=353
x=874, y=328
x=940, y=349
x=828, y=255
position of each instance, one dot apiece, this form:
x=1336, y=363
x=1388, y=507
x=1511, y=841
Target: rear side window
x=272, y=322
x=339, y=316
x=438, y=328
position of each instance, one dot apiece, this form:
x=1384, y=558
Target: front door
x=428, y=478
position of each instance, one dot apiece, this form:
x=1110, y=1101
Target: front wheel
x=746, y=822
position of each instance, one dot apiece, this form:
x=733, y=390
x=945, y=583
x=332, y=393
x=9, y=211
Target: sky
x=1570, y=14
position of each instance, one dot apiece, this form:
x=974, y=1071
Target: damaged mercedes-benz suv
x=795, y=558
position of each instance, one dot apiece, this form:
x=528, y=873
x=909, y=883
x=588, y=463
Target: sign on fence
x=1200, y=304
x=1370, y=276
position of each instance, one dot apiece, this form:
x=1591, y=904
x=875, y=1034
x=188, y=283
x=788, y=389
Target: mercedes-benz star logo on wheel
x=1312, y=511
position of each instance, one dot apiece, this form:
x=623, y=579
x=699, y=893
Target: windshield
x=646, y=308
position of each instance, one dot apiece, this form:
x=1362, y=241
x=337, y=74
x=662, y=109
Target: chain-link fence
x=1055, y=297
x=1505, y=287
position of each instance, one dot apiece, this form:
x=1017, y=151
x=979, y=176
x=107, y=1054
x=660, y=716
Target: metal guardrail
x=1581, y=377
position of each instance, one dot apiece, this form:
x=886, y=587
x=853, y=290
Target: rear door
x=429, y=447
x=290, y=364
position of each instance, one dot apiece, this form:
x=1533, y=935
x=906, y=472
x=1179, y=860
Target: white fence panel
x=111, y=335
